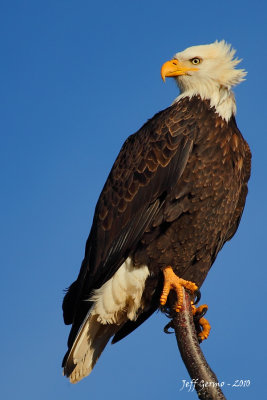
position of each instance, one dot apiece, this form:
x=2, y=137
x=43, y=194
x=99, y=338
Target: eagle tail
x=90, y=341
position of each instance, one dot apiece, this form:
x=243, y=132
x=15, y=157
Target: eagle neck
x=222, y=99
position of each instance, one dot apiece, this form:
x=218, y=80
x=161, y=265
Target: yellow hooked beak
x=175, y=68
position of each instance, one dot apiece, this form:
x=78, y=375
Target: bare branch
x=206, y=382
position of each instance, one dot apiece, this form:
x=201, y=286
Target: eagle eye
x=195, y=60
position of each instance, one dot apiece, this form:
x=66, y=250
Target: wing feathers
x=149, y=164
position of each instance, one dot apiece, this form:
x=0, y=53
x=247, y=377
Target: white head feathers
x=215, y=75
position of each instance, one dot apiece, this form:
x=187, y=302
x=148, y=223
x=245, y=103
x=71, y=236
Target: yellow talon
x=172, y=281
x=203, y=322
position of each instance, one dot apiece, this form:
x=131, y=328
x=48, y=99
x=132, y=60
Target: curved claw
x=167, y=327
x=198, y=296
x=201, y=324
x=200, y=313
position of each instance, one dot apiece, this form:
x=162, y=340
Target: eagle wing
x=150, y=162
x=243, y=194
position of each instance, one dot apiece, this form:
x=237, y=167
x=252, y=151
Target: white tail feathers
x=117, y=301
x=87, y=348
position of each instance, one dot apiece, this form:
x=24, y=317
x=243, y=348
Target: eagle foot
x=172, y=281
x=202, y=324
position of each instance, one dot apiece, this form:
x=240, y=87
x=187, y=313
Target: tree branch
x=206, y=382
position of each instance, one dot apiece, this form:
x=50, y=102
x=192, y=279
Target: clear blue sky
x=77, y=78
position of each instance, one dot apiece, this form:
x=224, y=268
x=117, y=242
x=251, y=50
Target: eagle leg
x=172, y=281
x=202, y=324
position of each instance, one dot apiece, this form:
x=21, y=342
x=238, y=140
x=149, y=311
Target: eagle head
x=208, y=71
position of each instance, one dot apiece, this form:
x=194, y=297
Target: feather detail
x=87, y=348
x=114, y=303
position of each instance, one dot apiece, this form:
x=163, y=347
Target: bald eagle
x=174, y=196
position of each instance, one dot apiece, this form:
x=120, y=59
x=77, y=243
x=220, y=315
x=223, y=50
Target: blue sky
x=77, y=78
